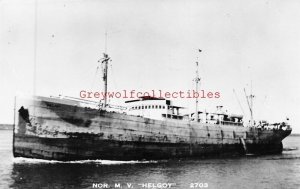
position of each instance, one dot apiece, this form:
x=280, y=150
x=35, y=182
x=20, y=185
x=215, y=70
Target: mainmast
x=197, y=81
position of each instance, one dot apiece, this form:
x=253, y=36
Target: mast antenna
x=105, y=48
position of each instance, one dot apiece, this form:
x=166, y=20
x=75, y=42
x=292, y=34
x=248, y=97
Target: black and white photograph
x=149, y=94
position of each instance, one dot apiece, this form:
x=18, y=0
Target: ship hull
x=82, y=149
x=56, y=129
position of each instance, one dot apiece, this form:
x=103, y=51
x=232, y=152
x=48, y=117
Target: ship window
x=156, y=106
x=145, y=107
x=139, y=107
x=152, y=106
x=142, y=107
x=159, y=107
x=163, y=107
x=149, y=107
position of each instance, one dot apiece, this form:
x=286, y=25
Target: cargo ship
x=148, y=128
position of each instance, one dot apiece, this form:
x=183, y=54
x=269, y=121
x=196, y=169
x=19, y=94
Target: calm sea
x=272, y=171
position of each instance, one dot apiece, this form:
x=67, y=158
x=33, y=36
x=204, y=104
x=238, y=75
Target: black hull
x=82, y=149
x=56, y=129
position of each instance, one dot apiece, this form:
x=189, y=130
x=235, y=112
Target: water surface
x=271, y=171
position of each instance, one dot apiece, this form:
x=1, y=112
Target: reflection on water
x=276, y=171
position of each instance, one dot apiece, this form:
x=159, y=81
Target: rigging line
x=94, y=78
x=263, y=106
x=247, y=98
x=239, y=101
x=113, y=76
x=35, y=51
x=203, y=70
x=35, y=47
x=99, y=64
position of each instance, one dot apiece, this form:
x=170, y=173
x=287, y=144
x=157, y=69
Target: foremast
x=104, y=62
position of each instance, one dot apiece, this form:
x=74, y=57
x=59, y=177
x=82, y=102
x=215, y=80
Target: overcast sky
x=153, y=45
